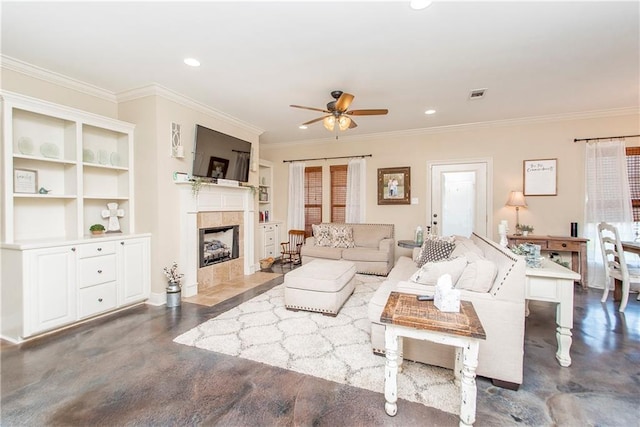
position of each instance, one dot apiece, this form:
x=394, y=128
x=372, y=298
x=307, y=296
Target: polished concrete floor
x=125, y=370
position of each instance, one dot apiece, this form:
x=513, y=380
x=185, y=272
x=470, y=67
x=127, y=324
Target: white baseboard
x=157, y=299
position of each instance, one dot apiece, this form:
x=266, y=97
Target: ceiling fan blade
x=343, y=102
x=353, y=124
x=315, y=120
x=309, y=108
x=372, y=112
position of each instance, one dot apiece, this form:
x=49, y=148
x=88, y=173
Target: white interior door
x=459, y=198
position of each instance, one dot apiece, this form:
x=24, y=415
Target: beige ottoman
x=321, y=285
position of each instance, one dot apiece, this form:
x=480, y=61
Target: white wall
x=506, y=144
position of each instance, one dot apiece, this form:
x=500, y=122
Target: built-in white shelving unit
x=61, y=166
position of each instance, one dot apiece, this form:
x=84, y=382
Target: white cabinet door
x=134, y=273
x=50, y=289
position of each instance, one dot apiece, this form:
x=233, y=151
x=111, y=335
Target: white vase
x=525, y=233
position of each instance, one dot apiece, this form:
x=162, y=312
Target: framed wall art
x=25, y=181
x=540, y=177
x=217, y=167
x=394, y=186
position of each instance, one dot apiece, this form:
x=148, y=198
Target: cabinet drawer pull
x=73, y=249
x=122, y=243
x=99, y=271
x=99, y=299
x=99, y=249
x=564, y=245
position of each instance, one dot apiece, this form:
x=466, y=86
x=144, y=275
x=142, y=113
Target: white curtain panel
x=295, y=215
x=356, y=190
x=608, y=200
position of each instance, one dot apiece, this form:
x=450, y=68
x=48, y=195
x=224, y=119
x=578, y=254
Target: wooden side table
x=576, y=245
x=405, y=316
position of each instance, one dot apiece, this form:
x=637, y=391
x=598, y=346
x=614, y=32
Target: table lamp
x=516, y=198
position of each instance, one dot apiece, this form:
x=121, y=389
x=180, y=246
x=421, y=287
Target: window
x=312, y=197
x=338, y=193
x=633, y=170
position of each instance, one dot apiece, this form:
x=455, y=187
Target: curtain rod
x=606, y=137
x=329, y=158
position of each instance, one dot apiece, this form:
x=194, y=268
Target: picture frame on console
x=540, y=177
x=394, y=186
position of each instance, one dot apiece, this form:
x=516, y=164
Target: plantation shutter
x=338, y=193
x=312, y=197
x=633, y=170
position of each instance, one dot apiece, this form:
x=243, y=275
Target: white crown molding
x=36, y=72
x=626, y=111
x=155, y=89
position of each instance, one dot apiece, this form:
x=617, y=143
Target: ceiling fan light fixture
x=329, y=123
x=344, y=122
x=302, y=127
x=192, y=62
x=429, y=112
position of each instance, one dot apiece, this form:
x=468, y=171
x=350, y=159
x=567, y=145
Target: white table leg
x=391, y=371
x=564, y=322
x=457, y=366
x=468, y=383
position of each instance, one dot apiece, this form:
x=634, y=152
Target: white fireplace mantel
x=212, y=198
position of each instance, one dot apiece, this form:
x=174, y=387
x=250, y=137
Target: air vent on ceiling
x=477, y=93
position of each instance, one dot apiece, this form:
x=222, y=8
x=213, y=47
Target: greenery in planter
x=525, y=227
x=96, y=227
x=196, y=185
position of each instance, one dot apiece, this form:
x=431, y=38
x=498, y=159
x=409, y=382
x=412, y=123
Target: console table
x=405, y=316
x=554, y=283
x=576, y=245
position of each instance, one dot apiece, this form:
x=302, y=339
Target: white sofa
x=501, y=311
x=373, y=251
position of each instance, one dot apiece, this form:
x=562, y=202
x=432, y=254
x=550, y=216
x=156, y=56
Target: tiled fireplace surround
x=215, y=206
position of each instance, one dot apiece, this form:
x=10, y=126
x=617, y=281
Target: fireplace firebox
x=219, y=244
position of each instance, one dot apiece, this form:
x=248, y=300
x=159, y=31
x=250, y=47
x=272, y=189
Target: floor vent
x=477, y=93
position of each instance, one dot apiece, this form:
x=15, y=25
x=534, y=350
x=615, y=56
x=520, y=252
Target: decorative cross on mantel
x=113, y=213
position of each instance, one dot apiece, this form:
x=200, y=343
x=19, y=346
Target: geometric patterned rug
x=334, y=348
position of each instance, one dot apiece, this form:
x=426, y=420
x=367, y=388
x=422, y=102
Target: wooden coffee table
x=405, y=316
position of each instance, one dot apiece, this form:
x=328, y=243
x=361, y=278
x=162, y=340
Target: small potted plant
x=97, y=229
x=526, y=229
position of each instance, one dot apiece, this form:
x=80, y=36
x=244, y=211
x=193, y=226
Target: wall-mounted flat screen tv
x=221, y=156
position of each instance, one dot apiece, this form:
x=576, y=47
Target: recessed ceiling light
x=302, y=127
x=429, y=112
x=420, y=4
x=192, y=62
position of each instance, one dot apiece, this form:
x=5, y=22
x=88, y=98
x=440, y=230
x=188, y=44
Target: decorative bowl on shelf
x=50, y=150
x=25, y=145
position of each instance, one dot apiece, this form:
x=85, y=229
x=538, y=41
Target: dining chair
x=291, y=250
x=615, y=265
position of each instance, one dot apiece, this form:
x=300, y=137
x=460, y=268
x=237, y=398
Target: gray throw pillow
x=434, y=250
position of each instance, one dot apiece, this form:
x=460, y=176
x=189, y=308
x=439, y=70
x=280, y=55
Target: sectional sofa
x=499, y=303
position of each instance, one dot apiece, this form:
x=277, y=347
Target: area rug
x=334, y=348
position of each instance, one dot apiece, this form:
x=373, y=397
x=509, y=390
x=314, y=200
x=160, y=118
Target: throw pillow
x=322, y=234
x=342, y=237
x=431, y=271
x=434, y=250
x=478, y=276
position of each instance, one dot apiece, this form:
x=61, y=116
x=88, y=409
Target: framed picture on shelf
x=25, y=181
x=540, y=177
x=218, y=167
x=394, y=186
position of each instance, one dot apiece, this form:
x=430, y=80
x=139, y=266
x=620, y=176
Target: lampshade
x=516, y=198
x=329, y=122
x=344, y=122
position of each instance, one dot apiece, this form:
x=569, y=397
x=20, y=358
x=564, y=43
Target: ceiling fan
x=337, y=112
